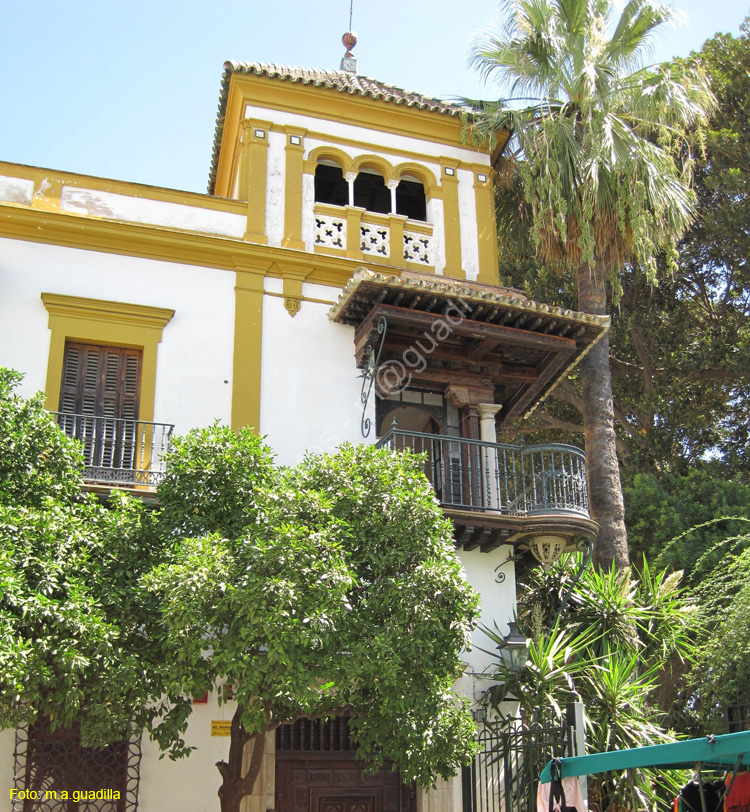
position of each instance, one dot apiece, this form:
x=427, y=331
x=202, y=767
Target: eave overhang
x=500, y=340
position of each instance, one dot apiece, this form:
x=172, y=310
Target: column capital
x=487, y=411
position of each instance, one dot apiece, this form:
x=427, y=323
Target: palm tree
x=602, y=144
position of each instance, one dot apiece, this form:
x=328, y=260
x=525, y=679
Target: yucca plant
x=610, y=649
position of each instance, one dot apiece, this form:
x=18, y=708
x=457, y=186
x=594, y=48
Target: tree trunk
x=235, y=785
x=603, y=472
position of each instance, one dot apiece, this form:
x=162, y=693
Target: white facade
x=250, y=317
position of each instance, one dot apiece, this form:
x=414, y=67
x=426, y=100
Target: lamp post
x=515, y=649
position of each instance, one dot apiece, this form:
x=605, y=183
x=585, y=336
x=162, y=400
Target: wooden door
x=317, y=771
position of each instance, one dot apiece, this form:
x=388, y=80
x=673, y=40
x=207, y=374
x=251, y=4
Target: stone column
x=492, y=485
x=350, y=177
x=294, y=153
x=392, y=184
x=452, y=219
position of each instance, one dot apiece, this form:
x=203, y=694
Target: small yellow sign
x=221, y=727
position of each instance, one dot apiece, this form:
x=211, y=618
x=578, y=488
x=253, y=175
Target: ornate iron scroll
x=369, y=371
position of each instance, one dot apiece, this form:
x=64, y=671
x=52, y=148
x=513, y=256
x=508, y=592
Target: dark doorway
x=317, y=771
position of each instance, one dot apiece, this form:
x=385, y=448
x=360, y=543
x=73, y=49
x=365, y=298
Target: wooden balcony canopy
x=491, y=341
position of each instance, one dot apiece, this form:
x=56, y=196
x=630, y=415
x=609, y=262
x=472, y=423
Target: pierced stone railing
x=418, y=248
x=330, y=231
x=375, y=239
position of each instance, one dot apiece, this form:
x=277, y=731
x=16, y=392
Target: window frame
x=106, y=323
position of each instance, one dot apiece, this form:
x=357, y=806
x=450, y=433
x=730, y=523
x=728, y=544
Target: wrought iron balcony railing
x=507, y=479
x=119, y=451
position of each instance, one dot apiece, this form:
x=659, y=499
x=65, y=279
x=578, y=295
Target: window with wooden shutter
x=100, y=390
x=100, y=381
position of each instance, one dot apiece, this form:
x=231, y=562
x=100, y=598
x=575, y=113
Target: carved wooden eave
x=500, y=345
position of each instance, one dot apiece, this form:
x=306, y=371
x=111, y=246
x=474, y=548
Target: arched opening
x=411, y=199
x=371, y=193
x=330, y=185
x=412, y=419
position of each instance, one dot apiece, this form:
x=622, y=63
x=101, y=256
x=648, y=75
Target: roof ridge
x=342, y=81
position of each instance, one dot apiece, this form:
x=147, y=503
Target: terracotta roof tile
x=336, y=80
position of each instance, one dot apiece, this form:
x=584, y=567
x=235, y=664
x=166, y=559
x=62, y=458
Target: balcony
x=119, y=452
x=388, y=239
x=496, y=493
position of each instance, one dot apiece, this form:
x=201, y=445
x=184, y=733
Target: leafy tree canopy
x=331, y=587
x=679, y=350
x=73, y=619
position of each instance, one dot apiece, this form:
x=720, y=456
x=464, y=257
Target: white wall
x=275, y=182
x=188, y=784
x=310, y=389
x=7, y=743
x=194, y=367
x=484, y=572
x=355, y=133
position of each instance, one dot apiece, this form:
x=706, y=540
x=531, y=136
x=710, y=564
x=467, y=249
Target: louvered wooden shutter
x=100, y=381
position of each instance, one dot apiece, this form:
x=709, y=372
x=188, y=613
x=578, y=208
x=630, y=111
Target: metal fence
x=512, y=755
x=119, y=451
x=514, y=480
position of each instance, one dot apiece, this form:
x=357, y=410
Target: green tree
x=679, y=351
x=602, y=153
x=614, y=648
x=720, y=676
x=329, y=587
x=679, y=521
x=76, y=641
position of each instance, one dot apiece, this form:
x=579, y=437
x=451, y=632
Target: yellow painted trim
x=48, y=185
x=332, y=252
x=153, y=242
x=484, y=198
x=302, y=298
x=397, y=223
x=376, y=162
x=294, y=155
x=229, y=156
x=419, y=267
x=361, y=111
x=248, y=345
x=368, y=146
x=452, y=221
x=424, y=174
x=419, y=226
x=97, y=321
x=354, y=215
x=327, y=153
x=254, y=177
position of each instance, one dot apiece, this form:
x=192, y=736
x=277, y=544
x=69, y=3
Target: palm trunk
x=603, y=472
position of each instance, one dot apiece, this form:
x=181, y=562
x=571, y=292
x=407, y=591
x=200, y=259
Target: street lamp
x=515, y=649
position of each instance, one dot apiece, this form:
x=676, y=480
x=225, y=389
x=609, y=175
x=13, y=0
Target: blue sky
x=129, y=90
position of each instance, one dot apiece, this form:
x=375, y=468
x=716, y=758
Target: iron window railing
x=509, y=479
x=119, y=451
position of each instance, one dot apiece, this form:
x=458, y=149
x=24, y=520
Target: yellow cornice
x=103, y=310
x=41, y=175
x=361, y=111
x=170, y=245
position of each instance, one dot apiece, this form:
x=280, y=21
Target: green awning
x=712, y=752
